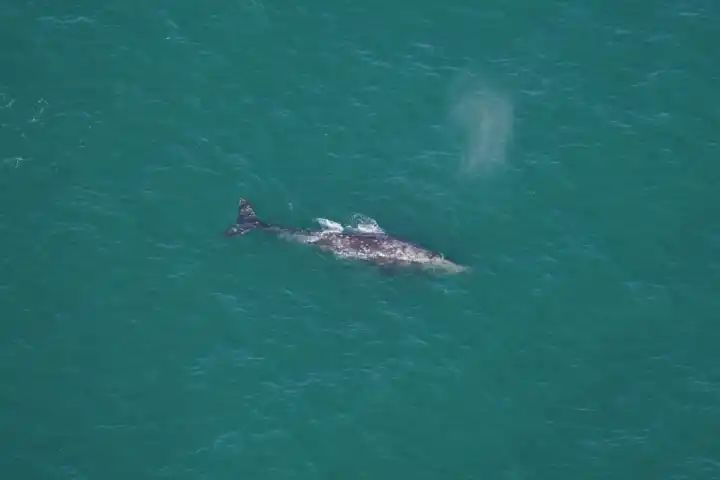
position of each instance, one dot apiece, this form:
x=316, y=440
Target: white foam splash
x=365, y=224
x=329, y=225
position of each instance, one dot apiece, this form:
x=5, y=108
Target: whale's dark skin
x=373, y=246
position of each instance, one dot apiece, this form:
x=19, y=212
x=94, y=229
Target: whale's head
x=439, y=263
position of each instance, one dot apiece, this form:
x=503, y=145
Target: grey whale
x=366, y=242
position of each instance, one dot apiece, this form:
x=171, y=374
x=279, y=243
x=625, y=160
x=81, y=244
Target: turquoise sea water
x=567, y=151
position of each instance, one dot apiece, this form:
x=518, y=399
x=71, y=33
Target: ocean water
x=567, y=151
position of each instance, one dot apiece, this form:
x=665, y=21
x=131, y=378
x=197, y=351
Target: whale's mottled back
x=367, y=241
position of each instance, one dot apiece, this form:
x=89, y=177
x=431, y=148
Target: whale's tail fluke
x=246, y=220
